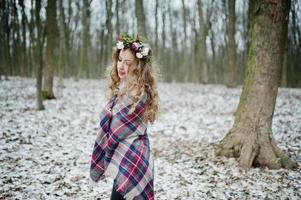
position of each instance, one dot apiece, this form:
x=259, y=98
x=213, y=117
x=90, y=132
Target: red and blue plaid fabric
x=122, y=149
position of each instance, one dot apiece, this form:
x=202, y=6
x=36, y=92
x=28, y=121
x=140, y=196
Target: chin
x=122, y=77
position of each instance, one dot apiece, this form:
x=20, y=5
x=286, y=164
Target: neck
x=121, y=84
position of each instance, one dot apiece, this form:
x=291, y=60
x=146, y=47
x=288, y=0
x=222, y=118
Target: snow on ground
x=45, y=154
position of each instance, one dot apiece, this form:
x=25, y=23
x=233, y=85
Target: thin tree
x=251, y=138
x=109, y=35
x=117, y=8
x=63, y=47
x=16, y=41
x=4, y=39
x=86, y=40
x=51, y=47
x=24, y=55
x=156, y=28
x=140, y=18
x=231, y=81
x=39, y=55
x=201, y=40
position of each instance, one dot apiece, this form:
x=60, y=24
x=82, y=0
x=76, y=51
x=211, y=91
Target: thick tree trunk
x=231, y=82
x=51, y=34
x=251, y=138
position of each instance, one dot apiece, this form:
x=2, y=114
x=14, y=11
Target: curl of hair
x=140, y=77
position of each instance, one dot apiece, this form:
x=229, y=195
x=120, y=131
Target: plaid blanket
x=122, y=149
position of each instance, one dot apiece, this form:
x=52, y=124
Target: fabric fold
x=122, y=148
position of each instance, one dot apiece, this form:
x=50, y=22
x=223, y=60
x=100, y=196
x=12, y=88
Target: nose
x=121, y=65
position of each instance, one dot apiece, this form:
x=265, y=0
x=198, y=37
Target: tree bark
x=51, y=35
x=117, y=7
x=201, y=40
x=251, y=138
x=140, y=18
x=63, y=48
x=86, y=40
x=24, y=49
x=109, y=34
x=4, y=39
x=16, y=39
x=169, y=58
x=40, y=55
x=156, y=29
x=231, y=45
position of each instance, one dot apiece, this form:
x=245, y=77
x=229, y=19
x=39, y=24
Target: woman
x=122, y=148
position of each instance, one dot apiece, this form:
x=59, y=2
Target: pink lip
x=121, y=73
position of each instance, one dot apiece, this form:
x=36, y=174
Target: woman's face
x=126, y=61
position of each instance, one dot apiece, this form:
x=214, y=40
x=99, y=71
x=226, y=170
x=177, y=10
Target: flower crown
x=136, y=45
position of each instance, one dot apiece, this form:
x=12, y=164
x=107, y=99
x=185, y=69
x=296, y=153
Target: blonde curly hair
x=140, y=77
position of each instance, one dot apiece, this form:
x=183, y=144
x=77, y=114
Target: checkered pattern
x=122, y=149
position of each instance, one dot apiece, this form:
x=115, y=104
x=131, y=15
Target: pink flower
x=135, y=46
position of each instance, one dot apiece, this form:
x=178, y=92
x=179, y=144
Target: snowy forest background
x=56, y=52
x=188, y=37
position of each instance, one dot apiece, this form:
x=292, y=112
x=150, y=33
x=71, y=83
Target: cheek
x=126, y=69
x=118, y=65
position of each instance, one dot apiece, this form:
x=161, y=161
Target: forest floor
x=46, y=154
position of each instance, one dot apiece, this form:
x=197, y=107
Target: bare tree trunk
x=214, y=71
x=40, y=55
x=251, y=138
x=75, y=66
x=86, y=40
x=163, y=50
x=156, y=29
x=16, y=50
x=32, y=40
x=194, y=45
x=69, y=48
x=231, y=79
x=201, y=40
x=50, y=60
x=109, y=35
x=24, y=49
x=63, y=48
x=173, y=60
x=4, y=39
x=117, y=16
x=186, y=63
x=184, y=21
x=140, y=18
